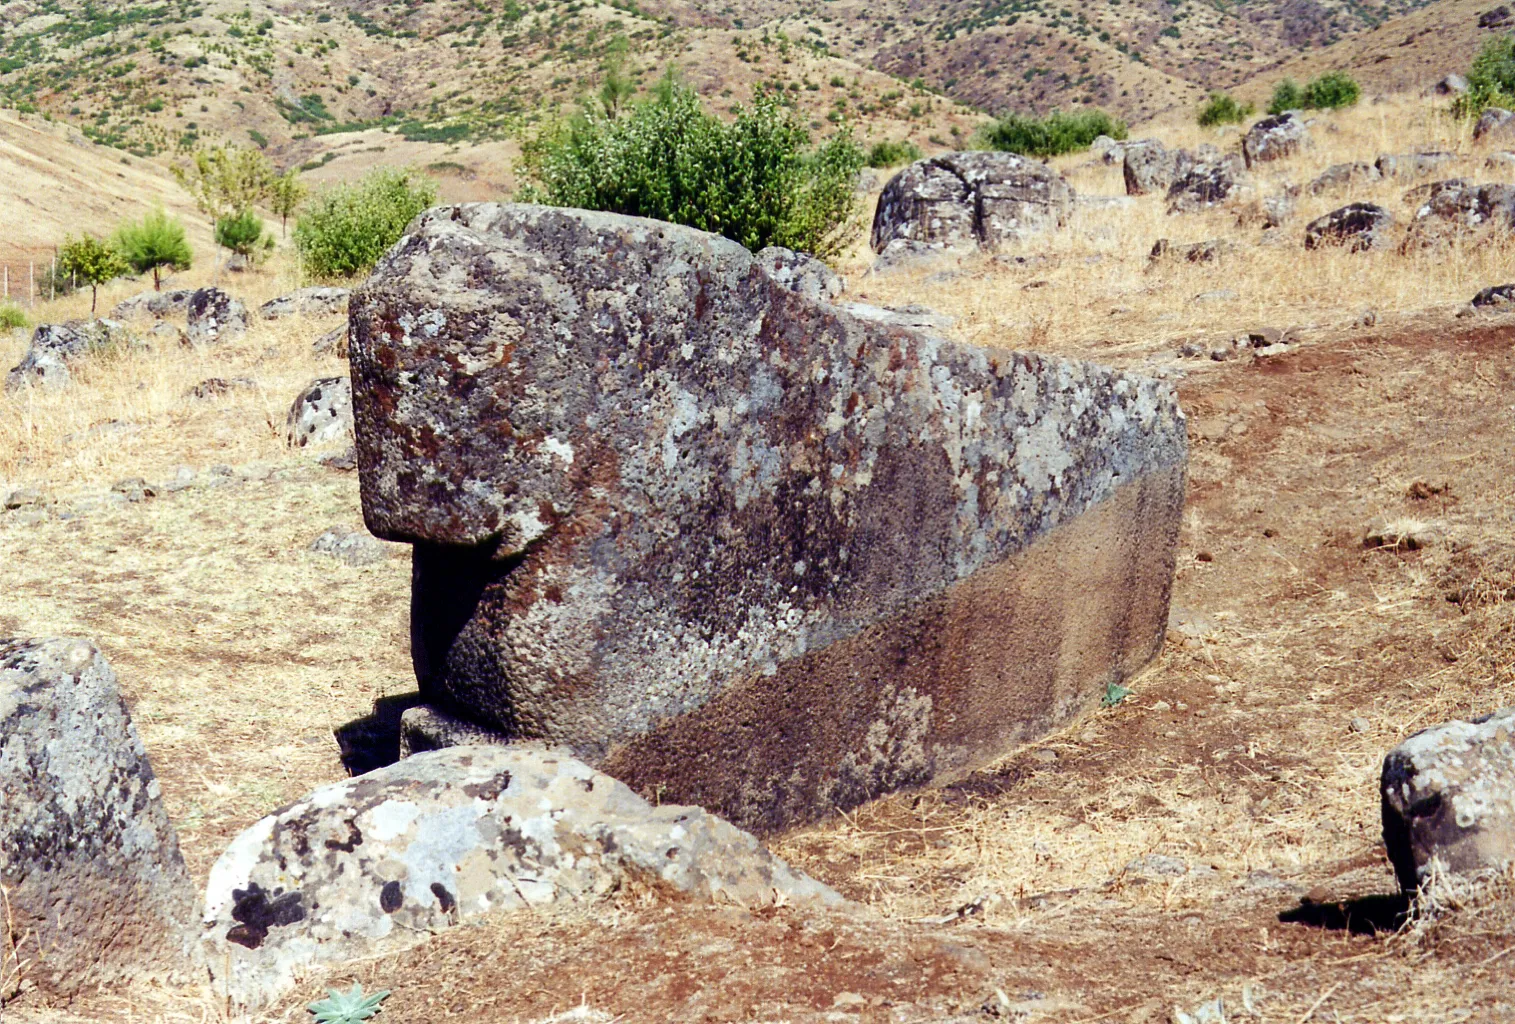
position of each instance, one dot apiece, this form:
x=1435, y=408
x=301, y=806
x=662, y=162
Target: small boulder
x=974, y=199
x=218, y=387
x=305, y=302
x=1209, y=251
x=1449, y=796
x=353, y=547
x=803, y=274
x=1274, y=138
x=1495, y=18
x=321, y=413
x=93, y=878
x=154, y=304
x=1498, y=295
x=1149, y=166
x=378, y=862
x=54, y=346
x=1358, y=227
x=1494, y=124
x=1341, y=176
x=1412, y=165
x=1422, y=194
x=1452, y=85
x=1203, y=186
x=1401, y=535
x=332, y=343
x=1504, y=161
x=1455, y=211
x=215, y=317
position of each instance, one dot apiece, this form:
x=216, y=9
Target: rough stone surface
x=713, y=536
x=1149, y=167
x=1341, y=176
x=1452, y=85
x=1204, y=186
x=1274, y=138
x=959, y=200
x=424, y=727
x=154, y=304
x=1495, y=124
x=350, y=546
x=1356, y=226
x=1412, y=165
x=1455, y=211
x=321, y=413
x=332, y=343
x=378, y=862
x=802, y=274
x=55, y=346
x=305, y=302
x=1498, y=17
x=90, y=864
x=215, y=317
x=1164, y=251
x=1498, y=295
x=1449, y=793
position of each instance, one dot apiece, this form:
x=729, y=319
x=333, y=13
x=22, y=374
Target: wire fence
x=28, y=275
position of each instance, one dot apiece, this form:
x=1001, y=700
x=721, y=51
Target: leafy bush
x=153, y=243
x=12, y=316
x=242, y=233
x=92, y=261
x=1332, y=91
x=755, y=180
x=1053, y=135
x=1491, y=79
x=1287, y=95
x=1221, y=108
x=891, y=154
x=345, y=230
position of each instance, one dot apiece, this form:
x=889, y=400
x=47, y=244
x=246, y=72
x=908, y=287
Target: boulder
x=1357, y=226
x=54, y=346
x=154, y=304
x=1274, y=138
x=332, y=343
x=1452, y=85
x=1498, y=17
x=1204, y=186
x=353, y=547
x=1209, y=251
x=1341, y=176
x=1449, y=796
x=760, y=552
x=90, y=865
x=1458, y=212
x=1495, y=124
x=1149, y=166
x=1270, y=211
x=1420, y=195
x=215, y=317
x=376, y=863
x=1411, y=165
x=1497, y=295
x=803, y=274
x=1503, y=160
x=962, y=200
x=305, y=302
x=321, y=413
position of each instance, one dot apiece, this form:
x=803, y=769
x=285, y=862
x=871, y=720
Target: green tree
x=1491, y=79
x=285, y=196
x=755, y=180
x=617, y=88
x=1287, y=95
x=92, y=261
x=1053, y=135
x=242, y=233
x=345, y=230
x=155, y=242
x=1221, y=108
x=226, y=180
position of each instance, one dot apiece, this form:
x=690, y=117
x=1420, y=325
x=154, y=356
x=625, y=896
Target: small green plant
x=242, y=233
x=1491, y=79
x=1221, y=108
x=1332, y=91
x=1114, y=694
x=92, y=261
x=889, y=153
x=1053, y=135
x=12, y=316
x=348, y=1007
x=285, y=194
x=153, y=244
x=1287, y=95
x=344, y=231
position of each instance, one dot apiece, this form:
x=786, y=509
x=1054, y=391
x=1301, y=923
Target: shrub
x=285, y=195
x=153, y=243
x=891, y=154
x=1287, y=95
x=755, y=180
x=91, y=261
x=242, y=232
x=1332, y=91
x=345, y=230
x=225, y=180
x=1491, y=79
x=1222, y=109
x=1053, y=135
x=12, y=316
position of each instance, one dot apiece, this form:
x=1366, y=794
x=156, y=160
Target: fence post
x=31, y=284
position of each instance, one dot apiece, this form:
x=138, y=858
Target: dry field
x=1216, y=835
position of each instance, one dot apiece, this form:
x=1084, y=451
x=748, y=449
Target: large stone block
x=963, y=200
x=736, y=544
x=96, y=891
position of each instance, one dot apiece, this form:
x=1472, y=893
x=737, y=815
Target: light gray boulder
x=1357, y=227
x=1457, y=211
x=352, y=547
x=1495, y=124
x=320, y=414
x=773, y=555
x=1412, y=165
x=305, y=302
x=1205, y=186
x=55, y=346
x=96, y=890
x=154, y=304
x=1449, y=796
x=1149, y=166
x=379, y=862
x=1451, y=85
x=1342, y=176
x=967, y=200
x=215, y=317
x=1274, y=138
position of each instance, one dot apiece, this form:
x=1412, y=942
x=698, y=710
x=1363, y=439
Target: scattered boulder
x=1498, y=295
x=1422, y=194
x=1412, y=165
x=1150, y=167
x=321, y=413
x=1504, y=161
x=1447, y=797
x=424, y=728
x=1458, y=212
x=1274, y=138
x=907, y=253
x=166, y=333
x=1340, y=176
x=1209, y=251
x=1494, y=124
x=1270, y=211
x=54, y=346
x=215, y=317
x=332, y=343
x=154, y=304
x=1357, y=226
x=355, y=548
x=1203, y=186
x=305, y=302
x=1103, y=147
x=378, y=862
x=1401, y=534
x=96, y=890
x=1452, y=85
x=134, y=488
x=802, y=274
x=721, y=486
x=962, y=200
x=217, y=387
x=1496, y=18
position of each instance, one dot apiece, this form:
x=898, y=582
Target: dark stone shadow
x=1365, y=915
x=373, y=741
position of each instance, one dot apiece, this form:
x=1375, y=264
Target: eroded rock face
x=305, y=302
x=215, y=317
x=1149, y=166
x=1274, y=138
x=1449, y=794
x=1341, y=176
x=1456, y=211
x=1357, y=227
x=1204, y=186
x=90, y=864
x=55, y=346
x=803, y=274
x=962, y=200
x=379, y=862
x=1411, y=165
x=154, y=304
x=766, y=553
x=320, y=414
x=1495, y=124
